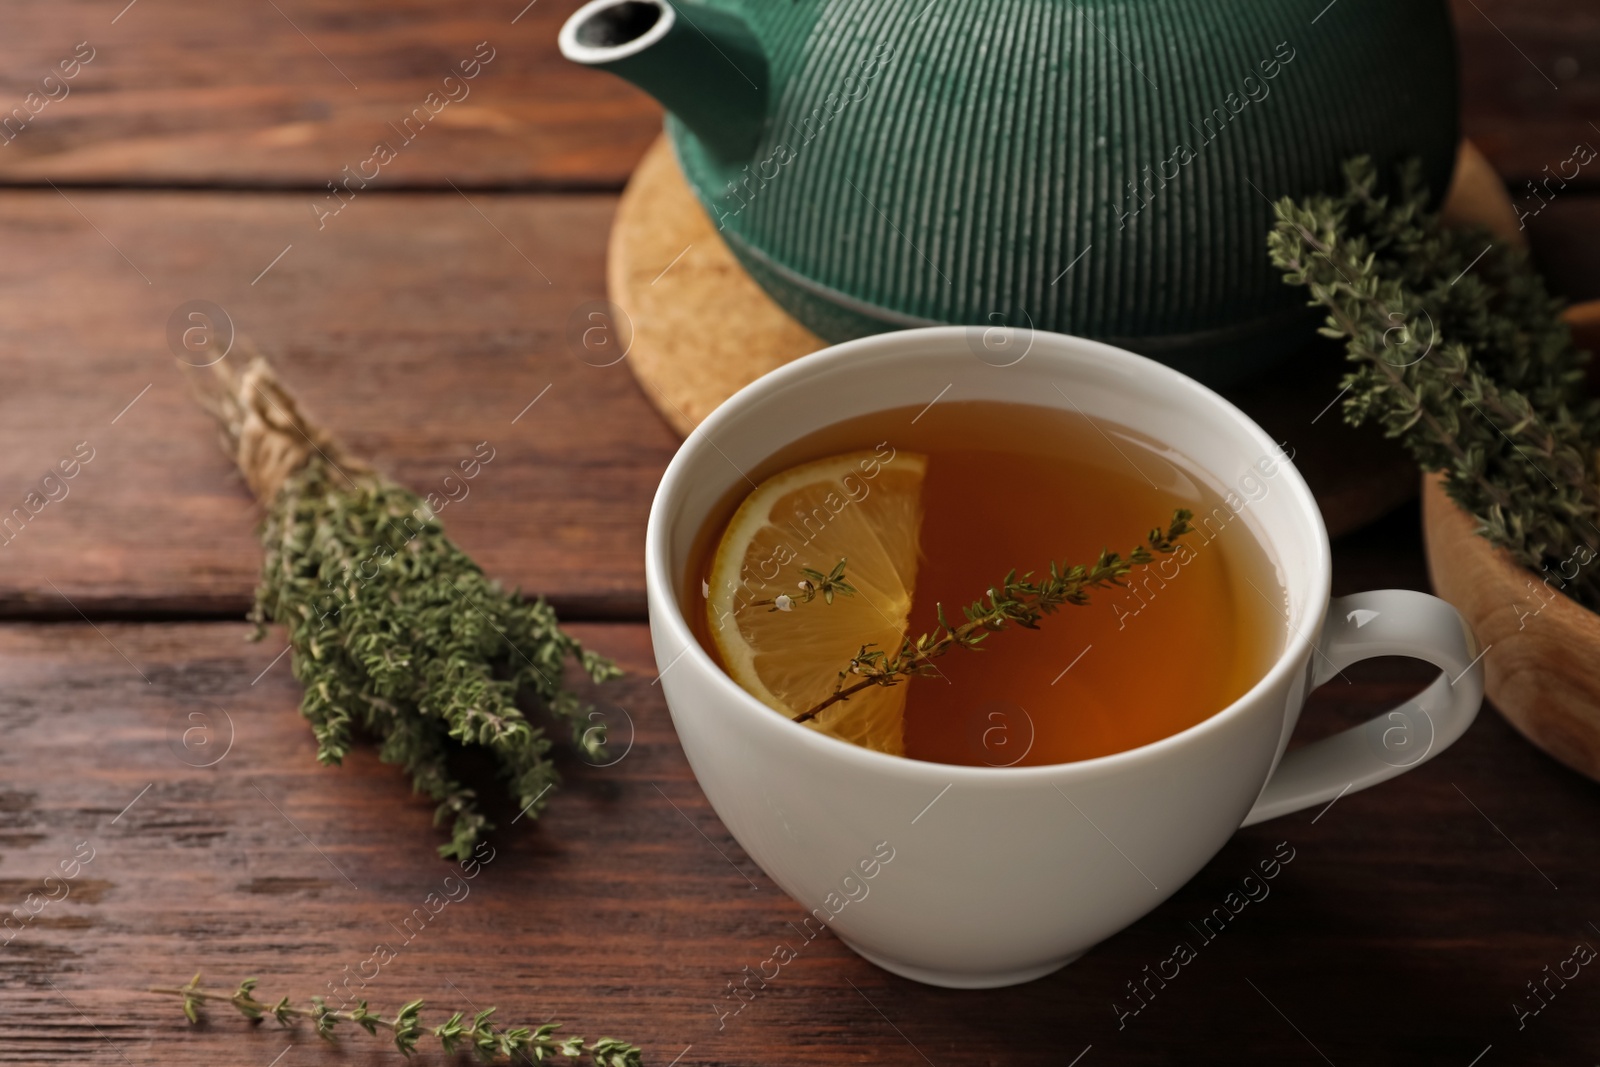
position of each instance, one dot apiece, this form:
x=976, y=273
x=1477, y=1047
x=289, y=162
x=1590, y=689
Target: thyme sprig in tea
x=479, y=1033
x=1019, y=601
x=813, y=583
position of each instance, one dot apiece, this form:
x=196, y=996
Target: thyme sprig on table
x=396, y=632
x=1458, y=350
x=479, y=1034
x=1018, y=601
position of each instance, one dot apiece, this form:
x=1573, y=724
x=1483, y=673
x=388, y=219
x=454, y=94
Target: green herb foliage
x=812, y=585
x=1015, y=601
x=457, y=1032
x=398, y=633
x=1460, y=352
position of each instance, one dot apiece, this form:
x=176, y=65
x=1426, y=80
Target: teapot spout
x=703, y=64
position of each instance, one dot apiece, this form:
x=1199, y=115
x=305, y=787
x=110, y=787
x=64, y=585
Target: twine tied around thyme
x=263, y=429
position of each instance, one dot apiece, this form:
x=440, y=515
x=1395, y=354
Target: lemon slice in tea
x=858, y=507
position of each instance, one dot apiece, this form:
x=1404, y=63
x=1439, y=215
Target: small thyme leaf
x=1015, y=601
x=406, y=1028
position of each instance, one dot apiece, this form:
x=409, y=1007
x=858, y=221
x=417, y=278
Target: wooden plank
x=414, y=325
x=255, y=96
x=289, y=93
x=1401, y=932
x=1530, y=86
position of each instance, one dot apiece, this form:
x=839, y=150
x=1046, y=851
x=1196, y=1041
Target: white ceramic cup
x=1001, y=875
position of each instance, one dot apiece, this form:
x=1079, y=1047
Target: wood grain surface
x=1540, y=673
x=290, y=92
x=1530, y=84
x=1401, y=932
x=414, y=325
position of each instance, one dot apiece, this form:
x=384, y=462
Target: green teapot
x=1104, y=168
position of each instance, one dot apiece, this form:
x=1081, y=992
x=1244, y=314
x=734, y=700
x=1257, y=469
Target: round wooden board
x=701, y=329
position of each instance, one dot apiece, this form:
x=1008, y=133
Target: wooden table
x=423, y=319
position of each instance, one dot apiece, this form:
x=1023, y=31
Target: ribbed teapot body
x=1096, y=167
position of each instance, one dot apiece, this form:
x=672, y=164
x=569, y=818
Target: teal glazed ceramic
x=1103, y=168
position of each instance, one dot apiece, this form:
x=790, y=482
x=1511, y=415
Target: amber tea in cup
x=1014, y=487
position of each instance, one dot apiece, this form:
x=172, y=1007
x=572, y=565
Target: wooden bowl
x=1540, y=648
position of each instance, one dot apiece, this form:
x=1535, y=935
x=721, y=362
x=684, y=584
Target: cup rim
x=666, y=613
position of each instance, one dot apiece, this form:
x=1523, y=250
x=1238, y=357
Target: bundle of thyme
x=479, y=1035
x=1459, y=351
x=1019, y=601
x=395, y=631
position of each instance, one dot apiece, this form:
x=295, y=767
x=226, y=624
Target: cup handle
x=1385, y=622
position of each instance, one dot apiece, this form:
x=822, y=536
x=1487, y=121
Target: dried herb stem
x=480, y=1034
